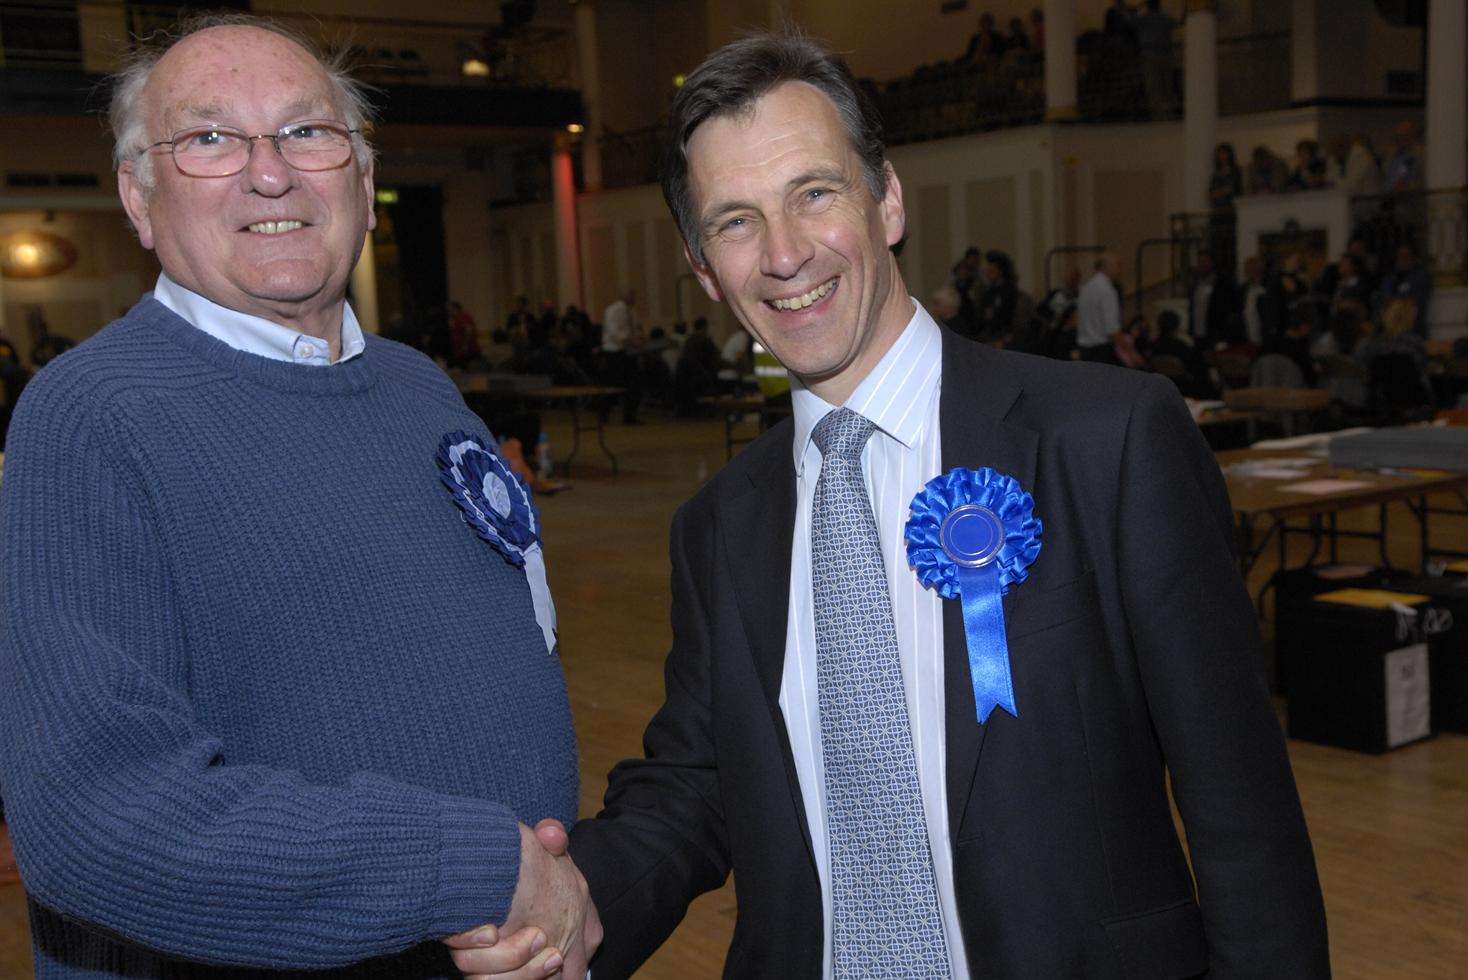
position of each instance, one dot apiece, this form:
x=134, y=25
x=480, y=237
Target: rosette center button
x=972, y=535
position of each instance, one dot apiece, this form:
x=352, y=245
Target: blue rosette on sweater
x=972, y=535
x=491, y=498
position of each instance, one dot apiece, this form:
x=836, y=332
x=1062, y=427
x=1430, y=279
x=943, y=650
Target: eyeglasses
x=214, y=151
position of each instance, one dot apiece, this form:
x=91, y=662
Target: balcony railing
x=955, y=98
x=40, y=35
x=382, y=51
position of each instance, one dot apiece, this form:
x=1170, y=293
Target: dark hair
x=732, y=79
x=1002, y=262
x=1167, y=322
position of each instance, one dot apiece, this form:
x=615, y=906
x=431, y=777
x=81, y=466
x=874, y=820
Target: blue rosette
x=492, y=499
x=972, y=535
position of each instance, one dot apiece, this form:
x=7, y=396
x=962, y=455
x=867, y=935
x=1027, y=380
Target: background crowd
x=1353, y=325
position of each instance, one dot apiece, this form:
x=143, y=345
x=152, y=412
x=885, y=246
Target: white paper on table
x=1317, y=487
x=1318, y=440
x=1408, y=697
x=540, y=595
x=1290, y=461
x=1272, y=472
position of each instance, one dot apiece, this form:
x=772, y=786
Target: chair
x=1345, y=379
x=1233, y=368
x=1276, y=371
x=1171, y=367
x=1398, y=393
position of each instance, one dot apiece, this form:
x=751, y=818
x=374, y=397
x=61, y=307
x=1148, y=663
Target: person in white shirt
x=621, y=342
x=619, y=324
x=738, y=353
x=1098, y=312
x=1254, y=291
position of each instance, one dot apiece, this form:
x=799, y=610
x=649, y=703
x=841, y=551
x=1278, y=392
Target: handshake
x=552, y=928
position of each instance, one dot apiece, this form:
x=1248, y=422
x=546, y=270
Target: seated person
x=697, y=373
x=1198, y=382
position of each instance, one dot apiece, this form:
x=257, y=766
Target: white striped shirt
x=900, y=396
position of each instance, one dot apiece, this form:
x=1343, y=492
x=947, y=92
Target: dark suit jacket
x=1135, y=656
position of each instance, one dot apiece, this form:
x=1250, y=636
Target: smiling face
x=270, y=240
x=794, y=241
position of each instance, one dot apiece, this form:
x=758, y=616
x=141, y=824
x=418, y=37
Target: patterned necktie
x=885, y=918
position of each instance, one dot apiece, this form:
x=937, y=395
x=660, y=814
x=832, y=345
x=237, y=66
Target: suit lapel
x=975, y=398
x=758, y=522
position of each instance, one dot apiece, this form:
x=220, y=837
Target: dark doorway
x=412, y=278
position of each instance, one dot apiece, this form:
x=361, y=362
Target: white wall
x=516, y=258
x=467, y=252
x=1117, y=185
x=991, y=190
x=629, y=241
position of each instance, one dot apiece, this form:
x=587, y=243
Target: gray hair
x=125, y=111
x=732, y=79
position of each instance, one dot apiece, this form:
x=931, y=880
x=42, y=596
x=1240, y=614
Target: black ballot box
x=1446, y=630
x=1354, y=661
x=1443, y=626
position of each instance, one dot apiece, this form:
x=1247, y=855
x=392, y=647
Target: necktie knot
x=842, y=434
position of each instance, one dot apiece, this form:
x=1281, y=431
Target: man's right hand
x=552, y=925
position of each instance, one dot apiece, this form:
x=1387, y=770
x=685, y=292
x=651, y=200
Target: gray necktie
x=885, y=918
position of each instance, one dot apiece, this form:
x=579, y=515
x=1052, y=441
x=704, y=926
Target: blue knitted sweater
x=266, y=702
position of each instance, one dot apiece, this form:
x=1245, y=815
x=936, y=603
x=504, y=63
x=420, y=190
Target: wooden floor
x=1390, y=832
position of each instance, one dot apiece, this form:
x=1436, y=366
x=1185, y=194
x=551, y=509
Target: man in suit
x=1038, y=843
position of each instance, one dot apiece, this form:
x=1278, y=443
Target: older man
x=909, y=784
x=280, y=688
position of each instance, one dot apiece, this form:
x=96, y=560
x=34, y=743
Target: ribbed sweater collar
x=358, y=374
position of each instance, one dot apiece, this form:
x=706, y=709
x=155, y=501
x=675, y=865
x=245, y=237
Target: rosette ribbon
x=972, y=535
x=496, y=504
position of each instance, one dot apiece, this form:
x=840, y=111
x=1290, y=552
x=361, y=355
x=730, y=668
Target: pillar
x=590, y=93
x=563, y=205
x=1304, y=51
x=364, y=288
x=1447, y=143
x=1200, y=101
x=1447, y=94
x=1060, y=59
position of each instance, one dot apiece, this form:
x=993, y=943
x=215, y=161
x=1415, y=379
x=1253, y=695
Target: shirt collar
x=894, y=396
x=256, y=335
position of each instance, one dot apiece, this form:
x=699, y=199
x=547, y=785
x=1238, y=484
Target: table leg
x=601, y=438
x=575, y=436
x=1333, y=538
x=1283, y=535
x=1317, y=531
x=1422, y=534
x=1386, y=561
